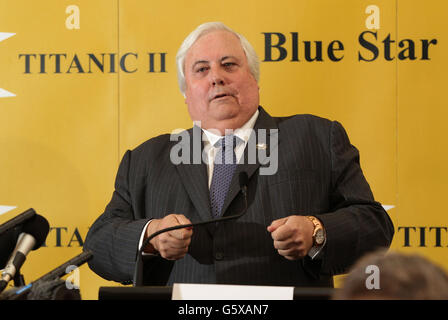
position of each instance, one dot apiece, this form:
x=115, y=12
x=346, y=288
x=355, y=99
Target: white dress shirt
x=209, y=138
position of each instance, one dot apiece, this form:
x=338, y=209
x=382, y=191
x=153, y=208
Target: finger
x=175, y=243
x=181, y=219
x=183, y=233
x=282, y=233
x=173, y=254
x=292, y=254
x=289, y=252
x=174, y=220
x=171, y=248
x=276, y=223
x=179, y=249
x=168, y=240
x=282, y=245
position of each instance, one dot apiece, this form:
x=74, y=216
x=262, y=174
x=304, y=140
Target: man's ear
x=185, y=95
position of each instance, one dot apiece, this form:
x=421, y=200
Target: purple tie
x=224, y=167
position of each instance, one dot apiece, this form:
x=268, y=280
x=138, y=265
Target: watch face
x=319, y=237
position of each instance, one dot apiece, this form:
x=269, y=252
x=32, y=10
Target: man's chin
x=225, y=111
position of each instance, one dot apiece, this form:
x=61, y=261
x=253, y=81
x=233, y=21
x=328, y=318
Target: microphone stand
x=138, y=271
x=19, y=280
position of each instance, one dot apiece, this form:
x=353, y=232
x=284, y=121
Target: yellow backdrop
x=83, y=81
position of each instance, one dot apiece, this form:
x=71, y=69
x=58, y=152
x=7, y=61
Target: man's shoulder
x=155, y=146
x=304, y=121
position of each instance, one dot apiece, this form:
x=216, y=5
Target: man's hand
x=171, y=245
x=293, y=236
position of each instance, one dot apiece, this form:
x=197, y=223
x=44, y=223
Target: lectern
x=165, y=293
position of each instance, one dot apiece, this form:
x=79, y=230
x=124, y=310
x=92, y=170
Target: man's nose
x=218, y=82
x=216, y=77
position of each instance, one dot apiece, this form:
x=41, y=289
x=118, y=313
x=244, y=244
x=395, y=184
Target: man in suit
x=308, y=219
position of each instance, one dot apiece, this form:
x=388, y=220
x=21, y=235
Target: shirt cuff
x=316, y=250
x=142, y=237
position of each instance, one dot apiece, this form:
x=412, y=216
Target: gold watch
x=318, y=233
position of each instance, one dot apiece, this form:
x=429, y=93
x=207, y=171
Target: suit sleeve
x=356, y=223
x=114, y=236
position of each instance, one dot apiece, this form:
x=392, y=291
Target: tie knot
x=229, y=141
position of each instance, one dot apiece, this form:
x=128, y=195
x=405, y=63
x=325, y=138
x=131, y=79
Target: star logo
x=3, y=92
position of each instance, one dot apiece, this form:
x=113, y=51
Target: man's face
x=220, y=90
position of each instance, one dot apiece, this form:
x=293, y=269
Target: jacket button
x=219, y=256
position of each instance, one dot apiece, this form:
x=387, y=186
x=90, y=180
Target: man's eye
x=202, y=69
x=229, y=64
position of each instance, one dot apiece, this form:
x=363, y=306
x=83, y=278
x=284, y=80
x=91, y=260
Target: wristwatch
x=318, y=233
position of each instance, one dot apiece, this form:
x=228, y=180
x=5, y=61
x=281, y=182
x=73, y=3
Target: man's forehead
x=217, y=44
x=218, y=36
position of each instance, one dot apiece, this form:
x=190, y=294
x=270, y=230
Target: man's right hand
x=171, y=245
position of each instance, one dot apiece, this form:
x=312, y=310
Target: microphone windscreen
x=8, y=241
x=244, y=179
x=18, y=220
x=38, y=227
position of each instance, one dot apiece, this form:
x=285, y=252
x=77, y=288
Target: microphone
x=60, y=271
x=21, y=218
x=32, y=237
x=138, y=271
x=56, y=273
x=9, y=232
x=8, y=241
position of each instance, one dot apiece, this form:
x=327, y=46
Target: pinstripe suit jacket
x=318, y=174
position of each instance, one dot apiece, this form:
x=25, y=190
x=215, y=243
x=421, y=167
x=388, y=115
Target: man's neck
x=238, y=130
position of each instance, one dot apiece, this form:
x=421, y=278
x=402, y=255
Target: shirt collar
x=243, y=133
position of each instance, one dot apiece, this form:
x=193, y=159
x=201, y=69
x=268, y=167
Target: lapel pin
x=262, y=146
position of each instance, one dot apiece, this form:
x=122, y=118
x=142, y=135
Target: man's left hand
x=293, y=236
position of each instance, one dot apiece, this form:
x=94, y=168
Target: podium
x=165, y=293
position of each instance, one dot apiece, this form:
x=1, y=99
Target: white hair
x=251, y=55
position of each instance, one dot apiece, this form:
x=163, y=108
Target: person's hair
x=401, y=276
x=251, y=55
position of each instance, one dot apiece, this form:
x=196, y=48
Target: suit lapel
x=250, y=163
x=194, y=174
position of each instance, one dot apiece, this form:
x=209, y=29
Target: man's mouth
x=221, y=95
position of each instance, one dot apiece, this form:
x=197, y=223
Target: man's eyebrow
x=206, y=61
x=198, y=62
x=228, y=57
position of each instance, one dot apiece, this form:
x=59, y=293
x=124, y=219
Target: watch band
x=314, y=221
x=317, y=227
